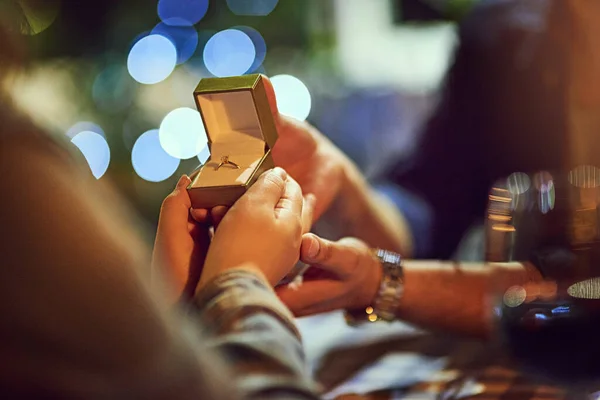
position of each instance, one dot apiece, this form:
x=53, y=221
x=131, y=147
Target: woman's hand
x=263, y=230
x=343, y=275
x=181, y=242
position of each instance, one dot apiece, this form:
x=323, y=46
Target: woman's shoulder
x=21, y=140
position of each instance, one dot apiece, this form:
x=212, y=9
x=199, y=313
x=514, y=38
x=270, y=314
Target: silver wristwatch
x=390, y=291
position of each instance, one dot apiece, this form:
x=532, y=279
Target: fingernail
x=183, y=181
x=313, y=248
x=281, y=172
x=311, y=199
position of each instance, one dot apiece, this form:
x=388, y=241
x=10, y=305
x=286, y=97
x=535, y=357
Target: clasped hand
x=261, y=232
x=265, y=231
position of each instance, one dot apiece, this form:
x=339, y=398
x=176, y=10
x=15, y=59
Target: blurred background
x=117, y=77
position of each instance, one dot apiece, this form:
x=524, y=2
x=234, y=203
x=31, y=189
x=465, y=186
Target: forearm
x=457, y=297
x=257, y=337
x=359, y=211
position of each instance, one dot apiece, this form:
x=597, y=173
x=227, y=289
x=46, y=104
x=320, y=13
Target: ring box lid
x=236, y=113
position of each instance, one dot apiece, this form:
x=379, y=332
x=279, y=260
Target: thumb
x=340, y=258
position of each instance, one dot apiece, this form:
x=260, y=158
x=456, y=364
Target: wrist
x=207, y=278
x=388, y=294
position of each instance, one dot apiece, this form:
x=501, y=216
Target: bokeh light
x=253, y=8
x=260, y=46
x=293, y=97
x=518, y=183
x=182, y=12
x=152, y=59
x=82, y=126
x=95, y=150
x=184, y=38
x=195, y=65
x=585, y=177
x=515, y=296
x=204, y=155
x=113, y=89
x=182, y=133
x=36, y=16
x=587, y=289
x=229, y=53
x=149, y=159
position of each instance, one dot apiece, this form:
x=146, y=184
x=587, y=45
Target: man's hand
x=312, y=160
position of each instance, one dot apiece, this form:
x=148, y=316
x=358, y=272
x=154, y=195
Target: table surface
x=397, y=361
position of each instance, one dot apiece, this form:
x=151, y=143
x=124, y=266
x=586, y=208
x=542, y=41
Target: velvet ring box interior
x=240, y=128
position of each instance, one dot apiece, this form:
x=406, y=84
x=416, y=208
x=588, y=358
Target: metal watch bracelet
x=390, y=291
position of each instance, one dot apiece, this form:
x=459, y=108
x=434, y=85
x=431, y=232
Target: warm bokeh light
x=182, y=12
x=293, y=97
x=229, y=53
x=585, y=176
x=149, y=159
x=152, y=59
x=184, y=38
x=252, y=8
x=182, y=133
x=95, y=149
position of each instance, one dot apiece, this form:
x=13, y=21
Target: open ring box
x=239, y=124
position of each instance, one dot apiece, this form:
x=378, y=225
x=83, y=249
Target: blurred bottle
x=551, y=221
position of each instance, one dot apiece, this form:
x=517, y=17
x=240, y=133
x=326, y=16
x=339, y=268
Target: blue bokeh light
x=152, y=59
x=229, y=53
x=293, y=97
x=113, y=89
x=182, y=133
x=182, y=12
x=260, y=46
x=253, y=8
x=195, y=65
x=95, y=150
x=84, y=126
x=149, y=159
x=204, y=155
x=184, y=38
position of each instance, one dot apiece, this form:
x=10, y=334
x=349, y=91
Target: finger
x=175, y=208
x=217, y=214
x=341, y=257
x=308, y=209
x=312, y=297
x=291, y=200
x=200, y=215
x=266, y=191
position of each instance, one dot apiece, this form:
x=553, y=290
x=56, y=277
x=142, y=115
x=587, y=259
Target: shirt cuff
x=236, y=294
x=417, y=214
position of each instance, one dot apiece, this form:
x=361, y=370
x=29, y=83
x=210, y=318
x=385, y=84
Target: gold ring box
x=239, y=125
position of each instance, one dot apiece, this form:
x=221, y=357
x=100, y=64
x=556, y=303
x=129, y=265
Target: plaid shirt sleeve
x=255, y=334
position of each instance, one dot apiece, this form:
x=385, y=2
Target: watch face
x=389, y=257
x=392, y=263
